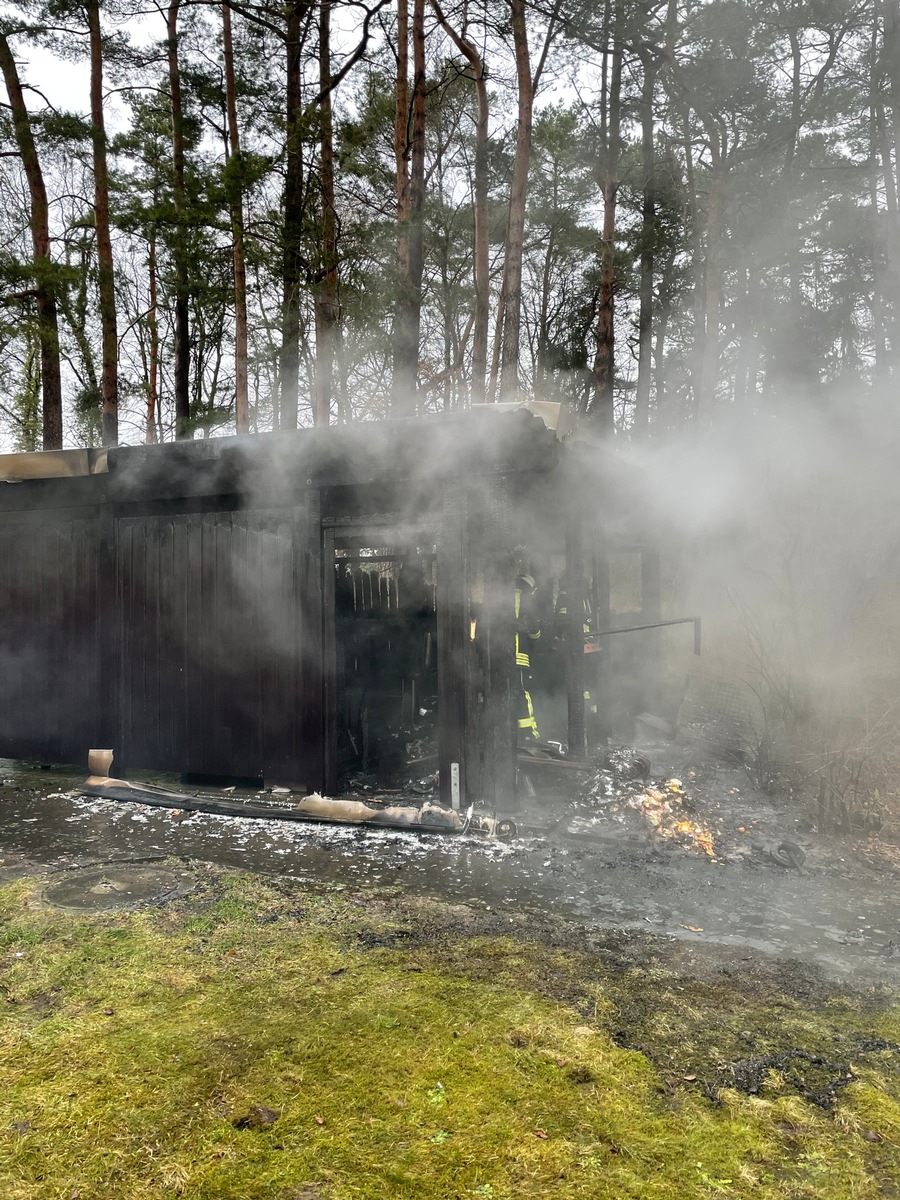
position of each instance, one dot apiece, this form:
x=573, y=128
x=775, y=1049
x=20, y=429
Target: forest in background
x=655, y=212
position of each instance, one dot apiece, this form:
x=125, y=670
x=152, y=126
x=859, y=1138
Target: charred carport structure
x=177, y=602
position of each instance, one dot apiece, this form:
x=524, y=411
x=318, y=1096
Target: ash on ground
x=617, y=870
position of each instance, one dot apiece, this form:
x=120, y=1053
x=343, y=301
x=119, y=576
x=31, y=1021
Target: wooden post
x=602, y=621
x=575, y=634
x=499, y=788
x=452, y=639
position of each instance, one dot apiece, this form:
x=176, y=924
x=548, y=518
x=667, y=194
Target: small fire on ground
x=620, y=789
x=663, y=809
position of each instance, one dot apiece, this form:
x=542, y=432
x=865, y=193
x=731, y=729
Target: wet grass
x=260, y=1041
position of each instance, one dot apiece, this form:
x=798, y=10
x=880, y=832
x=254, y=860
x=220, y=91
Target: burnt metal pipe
x=695, y=621
x=313, y=809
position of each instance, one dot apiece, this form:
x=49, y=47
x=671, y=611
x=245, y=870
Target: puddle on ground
x=98, y=889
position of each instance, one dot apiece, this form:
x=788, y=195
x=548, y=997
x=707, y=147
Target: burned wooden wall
x=185, y=633
x=54, y=569
x=212, y=647
x=180, y=608
x=218, y=614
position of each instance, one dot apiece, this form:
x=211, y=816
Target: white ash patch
x=283, y=837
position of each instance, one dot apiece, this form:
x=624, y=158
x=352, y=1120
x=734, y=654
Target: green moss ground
x=404, y=1053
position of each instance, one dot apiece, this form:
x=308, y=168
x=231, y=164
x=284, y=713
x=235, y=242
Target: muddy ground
x=585, y=871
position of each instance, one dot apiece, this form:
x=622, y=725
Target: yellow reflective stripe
x=529, y=722
x=587, y=695
x=522, y=658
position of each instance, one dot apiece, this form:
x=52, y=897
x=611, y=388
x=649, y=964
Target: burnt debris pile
x=620, y=789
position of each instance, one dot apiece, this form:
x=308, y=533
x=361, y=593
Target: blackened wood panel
x=102, y=593
x=328, y=689
x=309, y=563
x=210, y=675
x=51, y=700
x=169, y=667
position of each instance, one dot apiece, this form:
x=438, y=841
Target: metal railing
x=695, y=621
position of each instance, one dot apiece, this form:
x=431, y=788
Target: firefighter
x=528, y=630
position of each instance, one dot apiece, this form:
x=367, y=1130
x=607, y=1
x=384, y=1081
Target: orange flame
x=661, y=810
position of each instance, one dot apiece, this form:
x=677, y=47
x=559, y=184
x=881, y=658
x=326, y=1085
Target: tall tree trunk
x=887, y=164
x=709, y=374
x=603, y=401
x=47, y=320
x=890, y=163
x=417, y=174
x=648, y=246
x=743, y=328
x=482, y=232
x=296, y=272
x=891, y=14
x=109, y=339
x=515, y=228
x=542, y=372
x=327, y=313
x=444, y=379
x=292, y=261
x=401, y=138
x=892, y=244
x=345, y=409
x=691, y=405
x=881, y=256
x=790, y=224
x=498, y=342
x=153, y=330
x=409, y=147
x=651, y=351
x=664, y=313
x=239, y=265
x=182, y=292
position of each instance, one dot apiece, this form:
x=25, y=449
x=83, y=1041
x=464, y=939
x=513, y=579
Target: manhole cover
x=117, y=886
